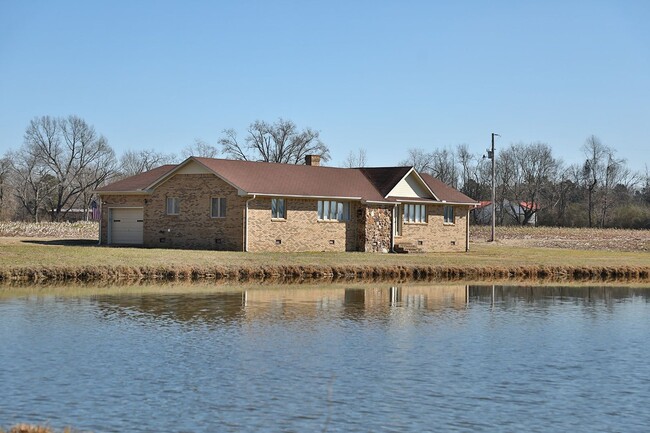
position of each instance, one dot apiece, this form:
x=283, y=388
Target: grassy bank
x=46, y=260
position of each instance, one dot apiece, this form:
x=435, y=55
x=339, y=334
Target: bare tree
x=30, y=182
x=74, y=156
x=281, y=142
x=134, y=162
x=5, y=175
x=535, y=169
x=200, y=148
x=356, y=160
x=443, y=166
x=592, y=171
x=465, y=159
x=418, y=159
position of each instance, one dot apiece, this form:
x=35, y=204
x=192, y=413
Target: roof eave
x=136, y=192
x=318, y=197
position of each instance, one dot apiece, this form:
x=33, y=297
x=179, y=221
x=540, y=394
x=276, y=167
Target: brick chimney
x=313, y=160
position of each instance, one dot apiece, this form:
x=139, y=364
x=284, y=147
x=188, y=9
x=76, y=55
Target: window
x=173, y=206
x=278, y=208
x=415, y=213
x=449, y=215
x=330, y=210
x=218, y=207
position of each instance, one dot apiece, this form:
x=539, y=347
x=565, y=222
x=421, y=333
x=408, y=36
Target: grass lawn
x=34, y=253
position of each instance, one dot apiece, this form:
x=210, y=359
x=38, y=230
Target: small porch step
x=407, y=248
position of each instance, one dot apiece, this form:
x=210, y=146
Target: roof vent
x=313, y=160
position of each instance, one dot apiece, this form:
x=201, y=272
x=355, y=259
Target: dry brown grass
x=563, y=237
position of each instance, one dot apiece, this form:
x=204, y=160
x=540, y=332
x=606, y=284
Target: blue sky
x=381, y=75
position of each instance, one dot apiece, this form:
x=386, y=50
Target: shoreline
x=296, y=274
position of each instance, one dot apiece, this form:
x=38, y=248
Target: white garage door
x=126, y=226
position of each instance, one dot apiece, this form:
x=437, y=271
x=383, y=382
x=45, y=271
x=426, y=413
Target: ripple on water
x=412, y=358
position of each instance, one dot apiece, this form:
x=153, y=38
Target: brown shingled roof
x=138, y=182
x=293, y=180
x=263, y=178
x=445, y=192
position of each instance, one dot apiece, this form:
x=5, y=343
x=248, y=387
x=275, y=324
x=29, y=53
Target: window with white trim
x=331, y=210
x=218, y=207
x=278, y=208
x=449, y=215
x=415, y=213
x=173, y=206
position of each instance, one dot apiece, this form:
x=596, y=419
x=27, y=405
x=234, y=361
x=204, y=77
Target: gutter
x=467, y=232
x=101, y=219
x=246, y=223
x=318, y=197
x=392, y=228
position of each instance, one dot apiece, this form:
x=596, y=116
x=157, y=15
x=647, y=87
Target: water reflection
x=355, y=359
x=345, y=303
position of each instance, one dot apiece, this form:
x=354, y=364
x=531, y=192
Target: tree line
x=532, y=184
x=62, y=160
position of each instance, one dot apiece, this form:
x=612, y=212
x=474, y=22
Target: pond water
x=332, y=359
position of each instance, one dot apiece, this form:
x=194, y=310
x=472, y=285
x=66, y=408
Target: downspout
x=246, y=223
x=392, y=229
x=467, y=231
x=101, y=219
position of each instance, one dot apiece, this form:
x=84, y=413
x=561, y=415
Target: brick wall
x=300, y=231
x=194, y=227
x=113, y=201
x=369, y=228
x=435, y=235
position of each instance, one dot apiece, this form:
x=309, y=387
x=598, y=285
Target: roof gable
x=412, y=186
x=384, y=179
x=139, y=182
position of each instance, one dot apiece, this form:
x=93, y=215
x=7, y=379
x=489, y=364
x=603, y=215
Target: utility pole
x=494, y=186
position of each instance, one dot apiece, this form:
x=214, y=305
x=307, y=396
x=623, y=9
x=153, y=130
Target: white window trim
x=178, y=206
x=453, y=215
x=421, y=211
x=218, y=216
x=284, y=208
x=335, y=203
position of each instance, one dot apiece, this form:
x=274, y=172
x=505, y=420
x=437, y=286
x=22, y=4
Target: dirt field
x=573, y=238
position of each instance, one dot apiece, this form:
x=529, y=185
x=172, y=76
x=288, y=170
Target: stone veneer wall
x=375, y=225
x=300, y=231
x=194, y=227
x=435, y=235
x=113, y=201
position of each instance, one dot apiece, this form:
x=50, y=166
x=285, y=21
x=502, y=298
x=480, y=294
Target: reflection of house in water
x=304, y=303
x=283, y=304
x=351, y=302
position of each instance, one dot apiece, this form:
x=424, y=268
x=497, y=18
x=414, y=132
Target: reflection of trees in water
x=207, y=308
x=580, y=295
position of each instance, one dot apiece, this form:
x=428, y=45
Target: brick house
x=222, y=204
